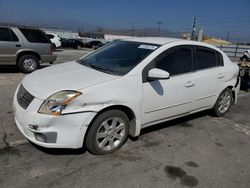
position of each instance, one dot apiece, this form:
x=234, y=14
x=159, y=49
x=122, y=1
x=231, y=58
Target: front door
x=9, y=45
x=173, y=97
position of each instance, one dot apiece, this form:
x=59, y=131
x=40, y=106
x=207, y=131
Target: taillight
x=51, y=49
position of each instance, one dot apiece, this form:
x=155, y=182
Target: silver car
x=24, y=46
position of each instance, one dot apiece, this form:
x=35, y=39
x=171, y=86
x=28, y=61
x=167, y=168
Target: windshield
x=118, y=57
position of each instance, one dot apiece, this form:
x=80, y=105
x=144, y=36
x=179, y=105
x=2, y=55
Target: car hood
x=66, y=76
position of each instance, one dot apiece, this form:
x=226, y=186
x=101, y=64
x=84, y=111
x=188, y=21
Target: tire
x=107, y=133
x=244, y=58
x=53, y=47
x=28, y=63
x=78, y=47
x=223, y=103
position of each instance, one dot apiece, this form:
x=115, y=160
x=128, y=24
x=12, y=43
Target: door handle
x=189, y=84
x=18, y=45
x=220, y=76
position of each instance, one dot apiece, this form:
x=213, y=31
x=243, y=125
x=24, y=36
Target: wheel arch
x=128, y=111
x=233, y=92
x=27, y=53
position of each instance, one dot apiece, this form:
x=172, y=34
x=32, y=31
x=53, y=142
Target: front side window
x=5, y=34
x=205, y=58
x=177, y=60
x=118, y=57
x=34, y=35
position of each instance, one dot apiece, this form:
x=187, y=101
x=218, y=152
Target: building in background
x=200, y=35
x=62, y=33
x=215, y=41
x=114, y=37
x=186, y=35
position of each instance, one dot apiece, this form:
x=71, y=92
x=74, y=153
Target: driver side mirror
x=157, y=74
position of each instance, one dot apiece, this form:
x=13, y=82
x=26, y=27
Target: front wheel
x=223, y=103
x=108, y=132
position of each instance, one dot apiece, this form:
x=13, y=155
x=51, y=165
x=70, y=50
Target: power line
x=225, y=17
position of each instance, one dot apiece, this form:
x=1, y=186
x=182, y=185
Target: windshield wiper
x=109, y=71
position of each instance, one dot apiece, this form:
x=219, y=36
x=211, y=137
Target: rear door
x=209, y=77
x=9, y=45
x=36, y=41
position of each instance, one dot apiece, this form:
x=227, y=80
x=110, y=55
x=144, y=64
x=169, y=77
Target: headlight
x=57, y=102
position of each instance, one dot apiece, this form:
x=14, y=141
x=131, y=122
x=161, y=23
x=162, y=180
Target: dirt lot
x=196, y=151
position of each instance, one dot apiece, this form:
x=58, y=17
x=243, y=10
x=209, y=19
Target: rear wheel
x=53, y=47
x=244, y=58
x=223, y=102
x=28, y=63
x=108, y=132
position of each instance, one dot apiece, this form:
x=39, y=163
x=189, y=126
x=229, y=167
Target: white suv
x=246, y=56
x=117, y=90
x=55, y=40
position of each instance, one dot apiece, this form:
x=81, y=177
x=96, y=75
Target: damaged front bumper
x=65, y=131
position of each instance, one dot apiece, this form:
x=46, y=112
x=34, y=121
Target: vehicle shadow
x=14, y=69
x=58, y=50
x=183, y=121
x=9, y=69
x=60, y=151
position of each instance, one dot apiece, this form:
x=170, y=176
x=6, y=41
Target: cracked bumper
x=65, y=131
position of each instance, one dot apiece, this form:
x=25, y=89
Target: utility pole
x=227, y=37
x=159, y=28
x=132, y=29
x=194, y=28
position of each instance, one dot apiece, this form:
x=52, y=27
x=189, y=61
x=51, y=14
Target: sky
x=217, y=17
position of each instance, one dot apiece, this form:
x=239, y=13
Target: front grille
x=24, y=98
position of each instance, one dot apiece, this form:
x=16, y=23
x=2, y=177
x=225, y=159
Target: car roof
x=162, y=41
x=152, y=40
x=18, y=26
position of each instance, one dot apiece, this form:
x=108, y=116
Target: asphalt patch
x=219, y=144
x=175, y=172
x=186, y=124
x=10, y=151
x=189, y=181
x=192, y=164
x=185, y=179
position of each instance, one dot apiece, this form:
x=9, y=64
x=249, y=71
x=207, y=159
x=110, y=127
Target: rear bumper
x=237, y=89
x=48, y=58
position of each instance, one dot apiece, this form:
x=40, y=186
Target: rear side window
x=177, y=60
x=207, y=58
x=13, y=36
x=34, y=36
x=220, y=61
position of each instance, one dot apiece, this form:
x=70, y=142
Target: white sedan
x=127, y=85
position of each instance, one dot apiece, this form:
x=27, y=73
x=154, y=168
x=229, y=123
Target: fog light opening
x=34, y=127
x=40, y=137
